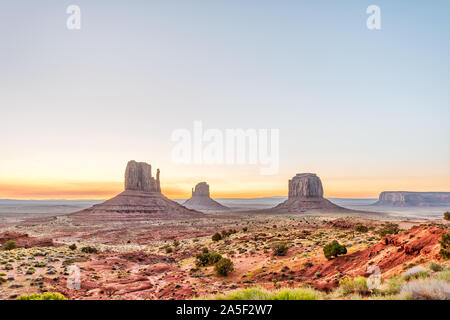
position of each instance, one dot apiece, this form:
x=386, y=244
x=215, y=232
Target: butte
x=202, y=201
x=141, y=200
x=306, y=195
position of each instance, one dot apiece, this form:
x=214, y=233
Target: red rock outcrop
x=389, y=253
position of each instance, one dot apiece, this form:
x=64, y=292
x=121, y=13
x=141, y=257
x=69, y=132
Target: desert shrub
x=10, y=245
x=169, y=249
x=245, y=229
x=394, y=286
x=362, y=229
x=444, y=253
x=202, y=259
x=257, y=293
x=214, y=257
x=415, y=273
x=334, y=249
x=224, y=266
x=280, y=248
x=356, y=285
x=89, y=249
x=426, y=289
x=73, y=247
x=447, y=215
x=176, y=243
x=388, y=228
x=43, y=296
x=30, y=270
x=216, y=237
x=435, y=267
x=444, y=275
x=206, y=258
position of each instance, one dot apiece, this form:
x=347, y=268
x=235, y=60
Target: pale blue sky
x=367, y=110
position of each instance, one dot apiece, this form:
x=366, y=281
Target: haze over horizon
x=367, y=111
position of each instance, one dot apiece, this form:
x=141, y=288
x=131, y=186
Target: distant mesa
x=413, y=199
x=306, y=194
x=142, y=199
x=201, y=199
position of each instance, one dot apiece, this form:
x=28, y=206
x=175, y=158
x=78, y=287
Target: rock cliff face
x=201, y=190
x=138, y=177
x=306, y=185
x=141, y=200
x=201, y=199
x=413, y=199
x=306, y=194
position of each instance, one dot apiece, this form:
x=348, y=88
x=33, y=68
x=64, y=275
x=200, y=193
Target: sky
x=366, y=110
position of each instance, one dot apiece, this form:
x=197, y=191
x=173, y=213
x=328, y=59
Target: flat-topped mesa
x=305, y=185
x=201, y=199
x=138, y=177
x=413, y=199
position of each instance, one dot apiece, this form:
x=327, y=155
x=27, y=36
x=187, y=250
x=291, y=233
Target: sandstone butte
x=142, y=199
x=305, y=195
x=201, y=199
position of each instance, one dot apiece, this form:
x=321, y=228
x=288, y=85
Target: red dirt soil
x=25, y=241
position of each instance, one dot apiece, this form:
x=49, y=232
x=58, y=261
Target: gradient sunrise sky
x=366, y=110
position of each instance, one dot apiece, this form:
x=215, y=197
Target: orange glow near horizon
x=73, y=190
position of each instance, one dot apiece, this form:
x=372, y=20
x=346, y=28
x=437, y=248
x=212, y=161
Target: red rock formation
x=138, y=177
x=141, y=200
x=390, y=253
x=306, y=194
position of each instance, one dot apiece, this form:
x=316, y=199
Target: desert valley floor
x=141, y=258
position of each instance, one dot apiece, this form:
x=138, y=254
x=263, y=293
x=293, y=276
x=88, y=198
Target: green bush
x=257, y=293
x=216, y=237
x=362, y=229
x=356, y=285
x=214, y=257
x=447, y=215
x=388, y=228
x=435, y=267
x=445, y=246
x=334, y=249
x=43, y=296
x=280, y=248
x=224, y=266
x=10, y=245
x=73, y=247
x=89, y=249
x=206, y=258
